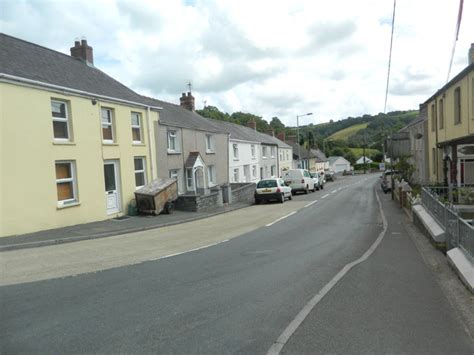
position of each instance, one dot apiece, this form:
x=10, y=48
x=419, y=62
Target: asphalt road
x=238, y=296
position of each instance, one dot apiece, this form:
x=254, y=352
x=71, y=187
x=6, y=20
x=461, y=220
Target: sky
x=270, y=58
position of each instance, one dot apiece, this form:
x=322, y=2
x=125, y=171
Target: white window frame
x=273, y=170
x=174, y=174
x=272, y=152
x=172, y=134
x=140, y=171
x=254, y=171
x=236, y=175
x=252, y=150
x=73, y=179
x=264, y=152
x=109, y=123
x=235, y=151
x=211, y=174
x=209, y=143
x=62, y=119
x=136, y=127
x=189, y=179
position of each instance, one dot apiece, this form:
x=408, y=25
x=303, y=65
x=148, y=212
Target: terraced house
x=450, y=130
x=75, y=143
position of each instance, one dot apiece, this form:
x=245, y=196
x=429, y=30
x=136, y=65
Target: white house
x=361, y=160
x=244, y=152
x=339, y=164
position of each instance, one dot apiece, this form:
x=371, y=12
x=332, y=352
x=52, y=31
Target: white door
x=112, y=186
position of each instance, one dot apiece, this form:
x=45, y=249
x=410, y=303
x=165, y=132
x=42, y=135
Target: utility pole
x=298, y=134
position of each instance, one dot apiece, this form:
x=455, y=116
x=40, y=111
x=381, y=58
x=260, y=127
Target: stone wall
x=243, y=192
x=199, y=203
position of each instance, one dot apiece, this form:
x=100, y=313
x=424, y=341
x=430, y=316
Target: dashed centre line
x=325, y=196
x=311, y=203
x=281, y=218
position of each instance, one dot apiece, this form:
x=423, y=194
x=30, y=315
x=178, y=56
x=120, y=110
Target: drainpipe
x=151, y=146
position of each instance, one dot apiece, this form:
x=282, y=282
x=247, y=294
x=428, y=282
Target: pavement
x=108, y=228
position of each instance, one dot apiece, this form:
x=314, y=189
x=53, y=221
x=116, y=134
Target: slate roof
x=191, y=160
x=177, y=116
x=316, y=154
x=334, y=158
x=31, y=61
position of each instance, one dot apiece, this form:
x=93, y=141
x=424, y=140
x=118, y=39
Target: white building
x=339, y=164
x=361, y=160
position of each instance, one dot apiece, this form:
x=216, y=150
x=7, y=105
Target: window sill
x=210, y=152
x=63, y=143
x=72, y=204
x=173, y=152
x=138, y=144
x=112, y=144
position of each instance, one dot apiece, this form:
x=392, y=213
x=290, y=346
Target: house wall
x=450, y=130
x=29, y=200
x=190, y=141
x=285, y=159
x=244, y=159
x=340, y=165
x=267, y=161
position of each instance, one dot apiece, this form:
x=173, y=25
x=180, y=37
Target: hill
x=345, y=133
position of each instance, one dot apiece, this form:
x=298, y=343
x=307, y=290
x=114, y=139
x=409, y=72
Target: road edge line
x=278, y=345
x=281, y=218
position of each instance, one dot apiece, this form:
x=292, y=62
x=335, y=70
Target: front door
x=112, y=189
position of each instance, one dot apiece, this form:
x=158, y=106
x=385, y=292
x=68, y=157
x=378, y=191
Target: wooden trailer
x=157, y=196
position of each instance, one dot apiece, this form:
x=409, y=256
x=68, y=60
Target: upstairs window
x=209, y=143
x=272, y=151
x=107, y=125
x=172, y=141
x=441, y=114
x=433, y=117
x=264, y=152
x=252, y=150
x=136, y=121
x=59, y=112
x=457, y=105
x=235, y=150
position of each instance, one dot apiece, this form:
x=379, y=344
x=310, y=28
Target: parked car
x=272, y=189
x=318, y=181
x=299, y=180
x=387, y=176
x=330, y=175
x=322, y=178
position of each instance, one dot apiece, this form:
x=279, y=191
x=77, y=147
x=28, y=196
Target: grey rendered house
x=268, y=156
x=190, y=148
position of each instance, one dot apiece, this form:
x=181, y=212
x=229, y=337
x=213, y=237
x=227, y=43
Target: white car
x=272, y=189
x=299, y=180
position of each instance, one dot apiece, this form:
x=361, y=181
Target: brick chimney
x=471, y=54
x=187, y=101
x=270, y=132
x=252, y=124
x=281, y=136
x=82, y=51
x=291, y=139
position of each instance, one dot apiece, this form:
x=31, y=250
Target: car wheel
x=306, y=190
x=290, y=197
x=282, y=198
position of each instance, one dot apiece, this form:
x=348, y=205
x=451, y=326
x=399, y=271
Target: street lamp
x=298, y=132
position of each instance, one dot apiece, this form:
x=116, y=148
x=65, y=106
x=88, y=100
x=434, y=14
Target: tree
x=277, y=125
x=214, y=113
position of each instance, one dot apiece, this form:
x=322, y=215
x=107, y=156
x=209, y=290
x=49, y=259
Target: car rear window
x=266, y=183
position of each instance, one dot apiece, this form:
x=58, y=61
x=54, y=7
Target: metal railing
x=459, y=232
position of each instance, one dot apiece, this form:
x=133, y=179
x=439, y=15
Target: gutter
x=12, y=78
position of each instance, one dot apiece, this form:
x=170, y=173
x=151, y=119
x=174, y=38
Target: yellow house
x=450, y=130
x=75, y=143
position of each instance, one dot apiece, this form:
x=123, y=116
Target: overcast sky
x=270, y=58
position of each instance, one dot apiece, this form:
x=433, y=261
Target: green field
x=358, y=152
x=345, y=133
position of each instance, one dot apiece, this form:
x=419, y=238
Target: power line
x=390, y=57
x=458, y=26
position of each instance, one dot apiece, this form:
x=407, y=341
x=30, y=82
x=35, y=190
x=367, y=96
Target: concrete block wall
x=243, y=192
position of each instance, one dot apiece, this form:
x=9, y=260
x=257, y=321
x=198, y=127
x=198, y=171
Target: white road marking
x=300, y=317
x=311, y=203
x=325, y=196
x=279, y=219
x=333, y=191
x=189, y=251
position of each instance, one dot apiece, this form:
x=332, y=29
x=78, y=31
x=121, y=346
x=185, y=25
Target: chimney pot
x=82, y=51
x=187, y=101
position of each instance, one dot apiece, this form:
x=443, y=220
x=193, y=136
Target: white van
x=299, y=180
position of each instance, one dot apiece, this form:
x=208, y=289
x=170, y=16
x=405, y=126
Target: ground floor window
x=66, y=183
x=236, y=175
x=466, y=172
x=211, y=174
x=273, y=170
x=254, y=171
x=189, y=179
x=140, y=176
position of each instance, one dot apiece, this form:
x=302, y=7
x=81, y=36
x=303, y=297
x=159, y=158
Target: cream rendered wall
x=28, y=155
x=285, y=161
